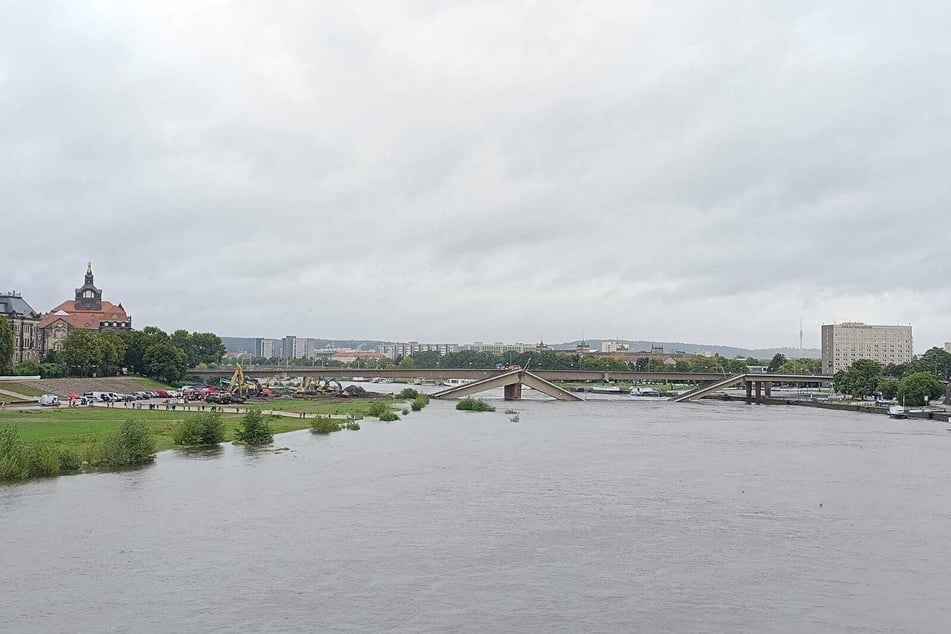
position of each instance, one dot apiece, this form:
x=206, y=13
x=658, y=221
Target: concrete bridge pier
x=759, y=391
x=513, y=392
x=768, y=389
x=749, y=392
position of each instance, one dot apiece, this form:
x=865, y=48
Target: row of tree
x=914, y=383
x=150, y=352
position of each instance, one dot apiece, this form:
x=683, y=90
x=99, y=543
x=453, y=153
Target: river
x=600, y=516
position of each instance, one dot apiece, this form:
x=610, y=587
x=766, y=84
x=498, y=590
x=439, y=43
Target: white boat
x=897, y=411
x=456, y=382
x=647, y=393
x=604, y=389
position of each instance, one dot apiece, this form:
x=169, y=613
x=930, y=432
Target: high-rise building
x=845, y=343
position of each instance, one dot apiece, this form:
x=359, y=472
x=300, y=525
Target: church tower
x=88, y=297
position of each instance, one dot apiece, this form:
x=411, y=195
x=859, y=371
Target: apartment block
x=845, y=343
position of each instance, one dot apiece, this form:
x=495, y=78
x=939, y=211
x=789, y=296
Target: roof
x=86, y=319
x=11, y=303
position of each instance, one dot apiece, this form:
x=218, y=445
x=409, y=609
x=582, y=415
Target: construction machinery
x=317, y=386
x=244, y=386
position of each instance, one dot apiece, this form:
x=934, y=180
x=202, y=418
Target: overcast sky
x=695, y=171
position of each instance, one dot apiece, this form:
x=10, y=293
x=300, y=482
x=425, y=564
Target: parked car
x=49, y=400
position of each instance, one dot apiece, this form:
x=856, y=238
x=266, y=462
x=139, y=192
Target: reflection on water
x=608, y=515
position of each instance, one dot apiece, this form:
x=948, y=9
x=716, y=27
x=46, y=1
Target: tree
x=131, y=444
x=113, y=351
x=913, y=389
x=182, y=340
x=860, y=379
x=254, y=429
x=6, y=345
x=204, y=429
x=888, y=387
x=936, y=361
x=207, y=347
x=776, y=362
x=82, y=350
x=165, y=362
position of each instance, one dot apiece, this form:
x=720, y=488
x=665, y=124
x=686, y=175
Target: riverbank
x=847, y=406
x=79, y=428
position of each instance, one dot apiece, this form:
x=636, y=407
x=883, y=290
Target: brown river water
x=600, y=516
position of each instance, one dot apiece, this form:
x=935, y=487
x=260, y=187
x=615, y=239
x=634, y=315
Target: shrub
x=131, y=444
x=254, y=429
x=378, y=409
x=419, y=402
x=324, y=426
x=407, y=394
x=204, y=429
x=53, y=370
x=389, y=416
x=470, y=404
x=27, y=368
x=69, y=460
x=352, y=425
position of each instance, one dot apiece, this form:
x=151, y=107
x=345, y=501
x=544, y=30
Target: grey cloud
x=483, y=170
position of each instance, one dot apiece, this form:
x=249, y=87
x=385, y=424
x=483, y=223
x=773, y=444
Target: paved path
x=224, y=409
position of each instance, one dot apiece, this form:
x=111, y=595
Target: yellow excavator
x=241, y=386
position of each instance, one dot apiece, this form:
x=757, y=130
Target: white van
x=49, y=400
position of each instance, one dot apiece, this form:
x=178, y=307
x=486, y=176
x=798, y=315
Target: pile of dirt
x=64, y=387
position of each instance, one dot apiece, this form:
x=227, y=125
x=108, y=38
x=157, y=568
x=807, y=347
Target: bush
x=254, y=429
x=204, y=429
x=407, y=394
x=389, y=416
x=378, y=409
x=470, y=404
x=352, y=425
x=27, y=368
x=54, y=370
x=324, y=426
x=419, y=402
x=131, y=444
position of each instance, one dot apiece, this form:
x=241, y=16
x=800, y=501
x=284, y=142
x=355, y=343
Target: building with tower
x=87, y=310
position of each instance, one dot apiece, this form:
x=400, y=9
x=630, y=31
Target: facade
x=268, y=348
x=27, y=340
x=613, y=346
x=87, y=310
x=845, y=343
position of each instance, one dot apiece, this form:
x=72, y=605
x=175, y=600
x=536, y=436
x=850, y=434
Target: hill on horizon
x=247, y=344
x=729, y=352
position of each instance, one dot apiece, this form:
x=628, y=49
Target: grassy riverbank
x=82, y=428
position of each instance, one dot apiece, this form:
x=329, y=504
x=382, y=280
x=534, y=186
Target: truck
x=49, y=400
